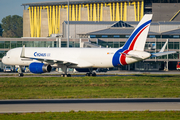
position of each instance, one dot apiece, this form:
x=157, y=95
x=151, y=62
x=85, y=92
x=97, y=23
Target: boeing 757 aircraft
x=41, y=60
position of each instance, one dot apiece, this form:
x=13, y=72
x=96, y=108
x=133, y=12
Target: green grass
x=166, y=115
x=141, y=86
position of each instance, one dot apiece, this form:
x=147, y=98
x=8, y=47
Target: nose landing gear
x=20, y=72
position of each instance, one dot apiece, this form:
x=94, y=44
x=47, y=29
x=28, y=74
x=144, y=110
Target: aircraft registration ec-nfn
x=41, y=60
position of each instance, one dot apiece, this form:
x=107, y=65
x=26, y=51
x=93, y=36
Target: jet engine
x=39, y=68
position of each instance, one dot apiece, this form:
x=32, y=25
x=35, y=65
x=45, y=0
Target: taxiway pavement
x=65, y=105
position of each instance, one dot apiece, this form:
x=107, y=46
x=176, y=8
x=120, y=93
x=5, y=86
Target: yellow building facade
x=43, y=20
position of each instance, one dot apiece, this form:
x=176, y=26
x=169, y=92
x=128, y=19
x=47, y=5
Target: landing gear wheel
x=88, y=74
x=21, y=74
x=94, y=74
x=91, y=74
x=66, y=75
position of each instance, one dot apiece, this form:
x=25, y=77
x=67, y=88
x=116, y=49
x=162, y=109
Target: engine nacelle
x=39, y=68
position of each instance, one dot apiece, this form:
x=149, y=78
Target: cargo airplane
x=41, y=60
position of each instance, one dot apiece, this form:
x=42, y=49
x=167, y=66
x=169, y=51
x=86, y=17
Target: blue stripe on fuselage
x=117, y=55
x=131, y=38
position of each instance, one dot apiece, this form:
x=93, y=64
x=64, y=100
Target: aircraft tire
x=94, y=74
x=21, y=74
x=87, y=74
x=68, y=75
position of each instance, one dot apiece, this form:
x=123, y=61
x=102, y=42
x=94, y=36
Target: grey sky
x=13, y=7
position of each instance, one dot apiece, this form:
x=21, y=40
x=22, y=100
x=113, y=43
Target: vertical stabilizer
x=138, y=38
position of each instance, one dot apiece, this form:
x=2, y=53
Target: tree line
x=11, y=26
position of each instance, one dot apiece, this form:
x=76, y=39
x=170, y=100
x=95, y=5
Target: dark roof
x=90, y=22
x=121, y=24
x=71, y=2
x=172, y=32
x=132, y=22
x=117, y=31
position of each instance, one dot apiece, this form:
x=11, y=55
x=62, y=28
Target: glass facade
x=15, y=44
x=153, y=47
x=111, y=44
x=126, y=36
x=6, y=45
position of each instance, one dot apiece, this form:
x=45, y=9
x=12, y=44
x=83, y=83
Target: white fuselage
x=77, y=57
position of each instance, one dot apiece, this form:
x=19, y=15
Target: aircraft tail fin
x=138, y=37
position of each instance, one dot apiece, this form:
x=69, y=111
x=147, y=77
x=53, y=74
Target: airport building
x=103, y=23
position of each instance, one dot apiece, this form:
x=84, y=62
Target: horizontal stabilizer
x=131, y=56
x=162, y=53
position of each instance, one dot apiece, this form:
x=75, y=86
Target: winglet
x=23, y=52
x=163, y=48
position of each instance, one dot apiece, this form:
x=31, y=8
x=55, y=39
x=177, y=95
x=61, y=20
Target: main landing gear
x=64, y=69
x=65, y=75
x=90, y=73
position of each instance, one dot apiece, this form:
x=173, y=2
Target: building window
x=63, y=44
x=127, y=36
x=175, y=36
x=151, y=36
x=167, y=36
x=13, y=44
x=176, y=45
x=116, y=36
x=19, y=43
x=116, y=44
x=8, y=44
x=104, y=36
x=122, y=44
x=92, y=36
x=170, y=45
x=2, y=44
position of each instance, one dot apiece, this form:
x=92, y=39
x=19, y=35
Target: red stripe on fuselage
x=123, y=57
x=131, y=47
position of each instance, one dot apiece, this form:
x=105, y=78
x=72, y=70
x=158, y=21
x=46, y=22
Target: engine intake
x=39, y=68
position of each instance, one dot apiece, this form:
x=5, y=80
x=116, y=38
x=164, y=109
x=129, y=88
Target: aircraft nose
x=4, y=60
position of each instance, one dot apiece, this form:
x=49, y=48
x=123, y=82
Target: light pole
x=68, y=27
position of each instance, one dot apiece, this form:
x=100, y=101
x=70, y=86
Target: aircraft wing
x=162, y=53
x=54, y=61
x=49, y=60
